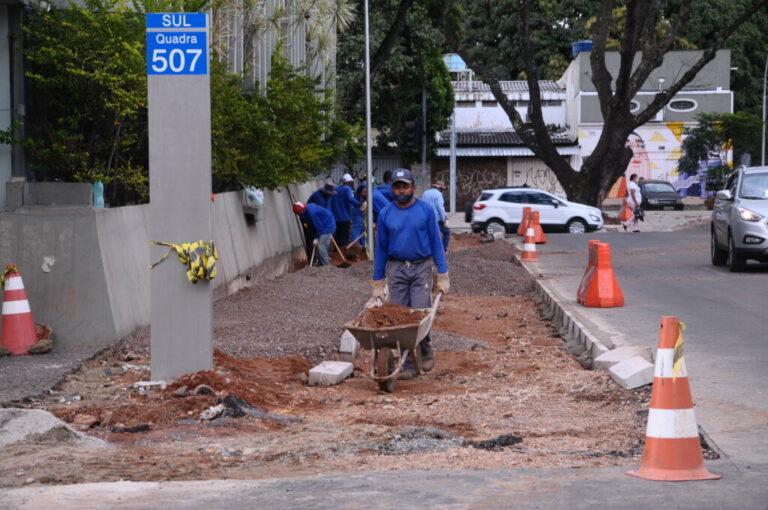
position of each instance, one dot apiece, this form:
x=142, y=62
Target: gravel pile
x=304, y=312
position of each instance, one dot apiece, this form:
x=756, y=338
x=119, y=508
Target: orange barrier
x=626, y=213
x=529, y=246
x=523, y=227
x=538, y=233
x=672, y=450
x=590, y=266
x=619, y=188
x=18, y=327
x=599, y=287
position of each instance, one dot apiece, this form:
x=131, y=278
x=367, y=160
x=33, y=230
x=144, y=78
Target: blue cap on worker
x=401, y=174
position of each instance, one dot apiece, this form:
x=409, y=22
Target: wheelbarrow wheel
x=385, y=365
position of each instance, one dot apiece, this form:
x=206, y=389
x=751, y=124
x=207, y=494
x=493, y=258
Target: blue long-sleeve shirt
x=379, y=203
x=408, y=233
x=342, y=203
x=321, y=218
x=386, y=190
x=434, y=198
x=320, y=198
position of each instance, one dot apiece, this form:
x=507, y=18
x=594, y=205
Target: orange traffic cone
x=529, y=247
x=18, y=327
x=599, y=287
x=672, y=450
x=523, y=227
x=538, y=231
x=591, y=265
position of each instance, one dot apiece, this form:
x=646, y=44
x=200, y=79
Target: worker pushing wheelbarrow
x=408, y=243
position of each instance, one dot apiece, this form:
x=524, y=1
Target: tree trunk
x=603, y=167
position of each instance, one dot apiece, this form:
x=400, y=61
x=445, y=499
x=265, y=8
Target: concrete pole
x=452, y=171
x=368, y=158
x=424, y=129
x=181, y=314
x=765, y=78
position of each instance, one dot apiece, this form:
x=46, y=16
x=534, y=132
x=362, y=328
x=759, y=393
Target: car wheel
x=735, y=261
x=719, y=256
x=495, y=226
x=679, y=207
x=576, y=226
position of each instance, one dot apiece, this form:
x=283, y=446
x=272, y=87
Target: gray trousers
x=411, y=285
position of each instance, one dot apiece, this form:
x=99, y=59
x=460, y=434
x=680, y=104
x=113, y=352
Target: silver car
x=740, y=219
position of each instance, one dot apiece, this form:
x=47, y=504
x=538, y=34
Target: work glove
x=443, y=283
x=377, y=288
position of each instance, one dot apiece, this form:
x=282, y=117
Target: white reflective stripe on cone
x=672, y=423
x=14, y=283
x=529, y=247
x=664, y=361
x=530, y=232
x=14, y=307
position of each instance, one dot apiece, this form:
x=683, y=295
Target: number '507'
x=177, y=60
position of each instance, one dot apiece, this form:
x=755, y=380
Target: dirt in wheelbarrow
x=388, y=315
x=503, y=394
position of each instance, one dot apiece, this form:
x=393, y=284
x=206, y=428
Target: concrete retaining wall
x=97, y=290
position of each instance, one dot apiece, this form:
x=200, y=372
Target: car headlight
x=594, y=217
x=747, y=215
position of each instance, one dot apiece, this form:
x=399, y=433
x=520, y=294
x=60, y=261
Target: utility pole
x=452, y=171
x=368, y=158
x=765, y=77
x=424, y=127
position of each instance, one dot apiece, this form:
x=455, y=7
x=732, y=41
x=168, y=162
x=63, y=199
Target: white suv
x=502, y=208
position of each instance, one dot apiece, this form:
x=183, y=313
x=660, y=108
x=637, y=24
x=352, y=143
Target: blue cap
x=401, y=174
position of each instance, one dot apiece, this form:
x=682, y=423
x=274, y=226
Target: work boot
x=427, y=355
x=408, y=372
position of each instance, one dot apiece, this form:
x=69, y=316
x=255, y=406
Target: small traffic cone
x=18, y=327
x=538, y=231
x=529, y=247
x=591, y=265
x=600, y=288
x=523, y=227
x=672, y=450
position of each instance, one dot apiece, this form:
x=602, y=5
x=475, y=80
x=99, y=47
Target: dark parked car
x=659, y=194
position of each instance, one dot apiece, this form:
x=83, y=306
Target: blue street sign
x=173, y=51
x=176, y=20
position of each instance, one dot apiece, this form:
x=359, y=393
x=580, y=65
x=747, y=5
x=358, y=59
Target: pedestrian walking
x=323, y=223
x=434, y=197
x=634, y=199
x=407, y=244
x=341, y=206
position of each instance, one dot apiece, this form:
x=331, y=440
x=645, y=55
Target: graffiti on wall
x=536, y=177
x=471, y=179
x=656, y=150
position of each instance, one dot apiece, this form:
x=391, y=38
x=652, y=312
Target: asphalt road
x=726, y=340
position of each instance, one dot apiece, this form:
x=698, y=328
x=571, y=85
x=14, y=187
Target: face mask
x=403, y=199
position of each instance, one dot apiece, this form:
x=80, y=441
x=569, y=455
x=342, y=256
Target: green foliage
x=286, y=135
x=87, y=95
x=396, y=90
x=715, y=135
x=87, y=116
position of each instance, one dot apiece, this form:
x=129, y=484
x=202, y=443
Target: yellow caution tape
x=10, y=268
x=677, y=359
x=200, y=259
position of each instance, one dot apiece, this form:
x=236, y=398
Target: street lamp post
x=762, y=152
x=368, y=158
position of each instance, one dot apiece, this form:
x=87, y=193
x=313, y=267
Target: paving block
x=607, y=359
x=348, y=347
x=632, y=372
x=329, y=373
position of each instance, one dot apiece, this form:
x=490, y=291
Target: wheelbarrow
x=386, y=341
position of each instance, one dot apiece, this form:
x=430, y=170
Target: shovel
x=314, y=247
x=353, y=242
x=345, y=262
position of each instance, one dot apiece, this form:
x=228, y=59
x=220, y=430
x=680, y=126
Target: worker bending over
x=321, y=219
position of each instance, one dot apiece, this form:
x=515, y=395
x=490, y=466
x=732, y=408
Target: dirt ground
x=503, y=392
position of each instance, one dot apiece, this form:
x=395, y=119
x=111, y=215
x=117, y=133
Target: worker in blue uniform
x=434, y=197
x=322, y=196
x=407, y=244
x=386, y=188
x=323, y=223
x=341, y=206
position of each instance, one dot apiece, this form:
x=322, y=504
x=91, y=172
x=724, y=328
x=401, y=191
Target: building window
x=520, y=104
x=490, y=104
x=551, y=102
x=634, y=106
x=682, y=105
x=465, y=104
